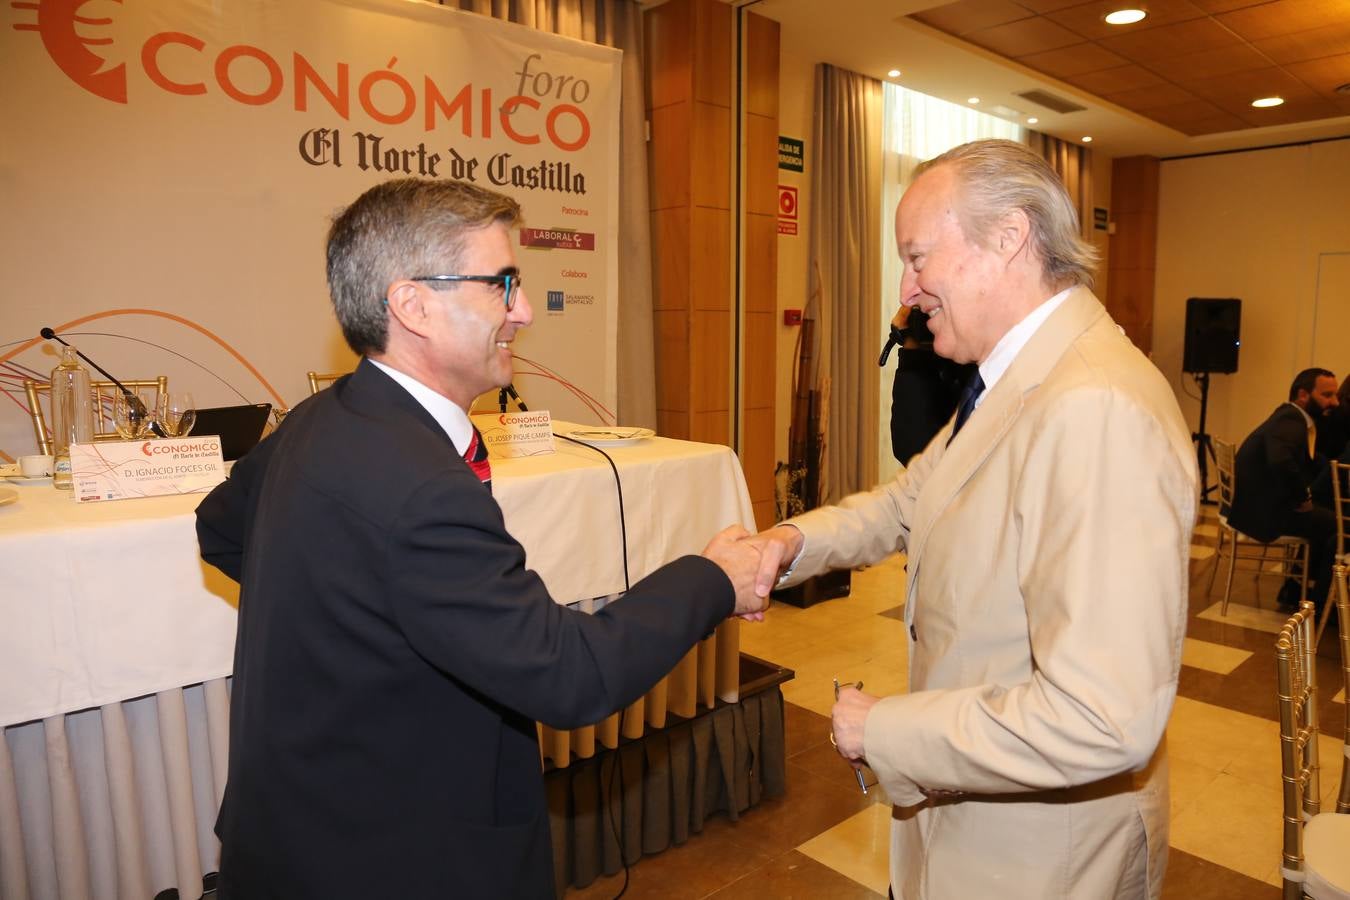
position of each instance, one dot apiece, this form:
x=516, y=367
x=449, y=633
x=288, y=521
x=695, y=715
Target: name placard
x=120, y=470
x=513, y=434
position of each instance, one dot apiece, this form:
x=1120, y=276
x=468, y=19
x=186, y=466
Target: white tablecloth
x=106, y=601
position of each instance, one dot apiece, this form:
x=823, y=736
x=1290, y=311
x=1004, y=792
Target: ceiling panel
x=1192, y=65
x=1197, y=117
x=1169, y=41
x=1141, y=99
x=1292, y=111
x=1114, y=81
x=1244, y=87
x=966, y=16
x=1329, y=40
x=1089, y=19
x=1075, y=60
x=1323, y=75
x=1281, y=17
x=1034, y=35
x=1047, y=6
x=1218, y=6
x=1210, y=63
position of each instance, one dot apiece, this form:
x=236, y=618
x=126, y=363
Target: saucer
x=12, y=473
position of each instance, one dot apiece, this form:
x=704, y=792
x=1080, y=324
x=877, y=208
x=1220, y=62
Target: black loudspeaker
x=1212, y=335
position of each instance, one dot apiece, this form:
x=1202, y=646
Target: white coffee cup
x=35, y=466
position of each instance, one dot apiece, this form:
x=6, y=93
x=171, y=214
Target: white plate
x=8, y=495
x=610, y=437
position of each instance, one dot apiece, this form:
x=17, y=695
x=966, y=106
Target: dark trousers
x=1318, y=526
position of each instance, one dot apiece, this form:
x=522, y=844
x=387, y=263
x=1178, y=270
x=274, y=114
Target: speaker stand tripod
x=1204, y=446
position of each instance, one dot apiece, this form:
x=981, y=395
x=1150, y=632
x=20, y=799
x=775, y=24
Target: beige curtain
x=1073, y=164
x=845, y=272
x=614, y=23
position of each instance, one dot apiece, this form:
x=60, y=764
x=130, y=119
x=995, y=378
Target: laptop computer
x=239, y=427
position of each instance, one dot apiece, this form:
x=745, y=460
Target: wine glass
x=131, y=417
x=177, y=412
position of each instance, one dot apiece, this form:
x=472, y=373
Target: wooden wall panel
x=670, y=270
x=710, y=256
x=693, y=156
x=1134, y=246
x=710, y=156
x=759, y=263
x=669, y=173
x=712, y=47
x=669, y=54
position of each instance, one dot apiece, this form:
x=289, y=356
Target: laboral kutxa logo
x=535, y=105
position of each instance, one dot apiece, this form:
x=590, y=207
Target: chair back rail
x=1296, y=674
x=1340, y=489
x=320, y=380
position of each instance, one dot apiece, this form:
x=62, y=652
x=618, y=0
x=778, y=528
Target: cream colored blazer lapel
x=992, y=420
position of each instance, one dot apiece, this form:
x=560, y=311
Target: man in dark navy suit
x=394, y=652
x=1276, y=465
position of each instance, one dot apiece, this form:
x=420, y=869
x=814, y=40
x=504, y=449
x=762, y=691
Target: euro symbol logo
x=57, y=22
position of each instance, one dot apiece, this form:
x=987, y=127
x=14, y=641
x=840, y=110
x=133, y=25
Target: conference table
x=116, y=644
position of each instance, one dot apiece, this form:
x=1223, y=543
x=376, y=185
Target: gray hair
x=403, y=228
x=998, y=176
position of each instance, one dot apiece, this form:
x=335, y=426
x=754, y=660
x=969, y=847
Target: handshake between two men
x=754, y=563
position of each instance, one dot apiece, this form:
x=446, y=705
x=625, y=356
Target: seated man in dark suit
x=1275, y=468
x=394, y=652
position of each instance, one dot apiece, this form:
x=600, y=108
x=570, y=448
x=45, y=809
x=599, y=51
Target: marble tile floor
x=824, y=839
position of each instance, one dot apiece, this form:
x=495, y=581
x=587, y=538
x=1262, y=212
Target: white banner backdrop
x=168, y=172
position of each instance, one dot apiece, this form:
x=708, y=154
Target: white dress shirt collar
x=447, y=414
x=1011, y=344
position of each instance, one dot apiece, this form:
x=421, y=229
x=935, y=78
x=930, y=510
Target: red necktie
x=477, y=458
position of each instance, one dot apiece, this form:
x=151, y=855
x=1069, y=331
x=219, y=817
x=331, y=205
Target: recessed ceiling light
x=1265, y=102
x=893, y=73
x=1125, y=17
x=1087, y=138
x=1032, y=120
x=972, y=100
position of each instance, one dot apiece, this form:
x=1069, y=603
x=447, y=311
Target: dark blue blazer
x=393, y=656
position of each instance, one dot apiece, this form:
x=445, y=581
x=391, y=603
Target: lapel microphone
x=135, y=401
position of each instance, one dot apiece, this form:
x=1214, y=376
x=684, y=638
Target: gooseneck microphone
x=133, y=399
x=501, y=397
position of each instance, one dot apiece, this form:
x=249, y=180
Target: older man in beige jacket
x=1047, y=530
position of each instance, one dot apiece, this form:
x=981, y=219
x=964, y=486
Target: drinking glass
x=177, y=412
x=131, y=417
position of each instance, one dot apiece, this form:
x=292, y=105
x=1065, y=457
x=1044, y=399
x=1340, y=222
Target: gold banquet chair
x=150, y=390
x=320, y=380
x=1340, y=481
x=1315, y=862
x=1284, y=550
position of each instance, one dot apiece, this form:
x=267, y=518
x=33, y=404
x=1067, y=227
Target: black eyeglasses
x=509, y=284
